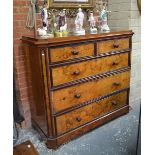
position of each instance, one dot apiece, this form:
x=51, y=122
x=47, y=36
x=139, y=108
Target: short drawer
x=88, y=113
x=71, y=52
x=77, y=71
x=71, y=96
x=113, y=45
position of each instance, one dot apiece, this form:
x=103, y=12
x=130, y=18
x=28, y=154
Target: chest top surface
x=73, y=38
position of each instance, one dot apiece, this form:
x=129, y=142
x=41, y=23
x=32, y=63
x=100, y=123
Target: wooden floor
x=25, y=148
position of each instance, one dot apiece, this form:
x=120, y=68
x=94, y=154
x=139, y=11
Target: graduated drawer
x=77, y=71
x=71, y=52
x=113, y=45
x=71, y=96
x=88, y=113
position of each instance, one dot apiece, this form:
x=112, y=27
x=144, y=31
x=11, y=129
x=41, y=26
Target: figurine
x=92, y=21
x=79, y=22
x=103, y=17
x=44, y=16
x=62, y=21
x=53, y=23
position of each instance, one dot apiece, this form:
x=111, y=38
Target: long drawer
x=113, y=45
x=71, y=52
x=88, y=113
x=71, y=96
x=76, y=71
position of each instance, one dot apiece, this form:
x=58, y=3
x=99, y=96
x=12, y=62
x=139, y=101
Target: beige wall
x=125, y=15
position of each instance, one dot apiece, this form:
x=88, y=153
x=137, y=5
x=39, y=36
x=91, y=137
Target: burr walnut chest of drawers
x=78, y=82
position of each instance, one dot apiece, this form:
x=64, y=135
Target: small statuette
x=104, y=18
x=92, y=22
x=79, y=23
x=53, y=23
x=62, y=24
x=44, y=16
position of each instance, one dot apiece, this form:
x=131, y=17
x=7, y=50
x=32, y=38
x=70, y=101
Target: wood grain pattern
x=91, y=78
x=46, y=94
x=80, y=70
x=25, y=148
x=67, y=101
x=112, y=45
x=68, y=97
x=38, y=103
x=83, y=115
x=55, y=142
x=71, y=52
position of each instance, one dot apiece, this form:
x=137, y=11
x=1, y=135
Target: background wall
x=23, y=88
x=124, y=15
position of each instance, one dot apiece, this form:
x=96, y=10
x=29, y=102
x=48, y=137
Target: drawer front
x=74, y=95
x=77, y=71
x=86, y=114
x=113, y=45
x=71, y=52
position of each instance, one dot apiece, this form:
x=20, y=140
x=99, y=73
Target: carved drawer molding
x=78, y=82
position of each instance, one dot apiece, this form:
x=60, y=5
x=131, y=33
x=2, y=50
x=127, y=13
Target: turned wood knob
x=115, y=45
x=75, y=52
x=78, y=119
x=76, y=72
x=114, y=63
x=77, y=95
x=117, y=83
x=114, y=103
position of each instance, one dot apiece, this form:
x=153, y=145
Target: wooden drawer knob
x=114, y=103
x=116, y=45
x=76, y=73
x=77, y=95
x=78, y=119
x=115, y=63
x=117, y=83
x=75, y=52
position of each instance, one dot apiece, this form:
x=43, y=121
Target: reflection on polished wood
x=78, y=82
x=65, y=98
x=83, y=115
x=26, y=148
x=80, y=70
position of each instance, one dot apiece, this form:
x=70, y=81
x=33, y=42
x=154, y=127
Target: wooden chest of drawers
x=78, y=82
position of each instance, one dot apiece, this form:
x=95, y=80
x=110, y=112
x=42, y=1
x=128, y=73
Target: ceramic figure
x=44, y=15
x=79, y=22
x=53, y=22
x=104, y=18
x=62, y=21
x=92, y=22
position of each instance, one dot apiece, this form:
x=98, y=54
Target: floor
x=118, y=137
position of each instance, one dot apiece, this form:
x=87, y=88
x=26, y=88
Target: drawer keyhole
x=78, y=119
